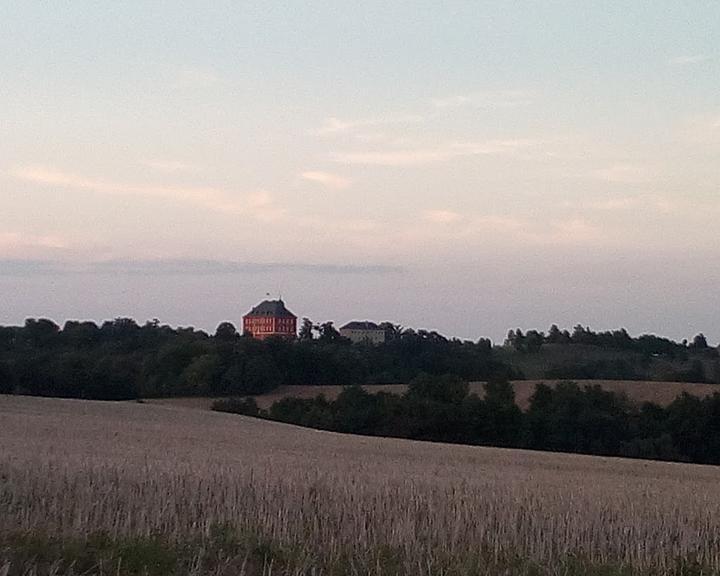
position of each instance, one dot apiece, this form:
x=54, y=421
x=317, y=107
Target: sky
x=466, y=167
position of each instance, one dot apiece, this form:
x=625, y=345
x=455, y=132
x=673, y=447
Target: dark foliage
x=121, y=359
x=566, y=418
x=648, y=344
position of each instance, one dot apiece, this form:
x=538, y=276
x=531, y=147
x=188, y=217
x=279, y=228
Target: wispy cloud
x=389, y=157
x=488, y=99
x=14, y=244
x=415, y=156
x=572, y=231
x=441, y=216
x=170, y=166
x=259, y=205
x=689, y=60
x=624, y=173
x=509, y=229
x=183, y=267
x=617, y=203
x=327, y=179
x=12, y=240
x=641, y=202
x=334, y=125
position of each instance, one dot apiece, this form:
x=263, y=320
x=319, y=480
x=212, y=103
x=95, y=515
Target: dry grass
x=662, y=393
x=74, y=468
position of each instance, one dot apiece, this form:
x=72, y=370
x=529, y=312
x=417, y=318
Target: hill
x=596, y=361
x=134, y=488
x=121, y=360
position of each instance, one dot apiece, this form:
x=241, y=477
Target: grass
x=226, y=553
x=124, y=488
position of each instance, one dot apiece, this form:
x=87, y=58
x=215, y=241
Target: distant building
x=364, y=331
x=270, y=318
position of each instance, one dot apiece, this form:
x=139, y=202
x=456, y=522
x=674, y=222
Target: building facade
x=270, y=318
x=363, y=331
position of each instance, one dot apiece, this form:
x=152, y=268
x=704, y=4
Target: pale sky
x=468, y=167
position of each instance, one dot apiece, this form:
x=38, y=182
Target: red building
x=270, y=318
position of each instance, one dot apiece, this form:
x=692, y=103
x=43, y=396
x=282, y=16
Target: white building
x=364, y=331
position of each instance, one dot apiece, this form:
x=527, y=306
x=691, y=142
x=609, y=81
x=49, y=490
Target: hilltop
x=123, y=360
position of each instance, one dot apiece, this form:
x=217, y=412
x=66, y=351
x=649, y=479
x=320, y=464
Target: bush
x=244, y=406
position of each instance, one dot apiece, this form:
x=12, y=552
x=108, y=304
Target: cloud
x=334, y=125
x=258, y=205
x=28, y=245
x=441, y=216
x=614, y=204
x=12, y=240
x=688, y=60
x=170, y=166
x=641, y=202
x=389, y=157
x=492, y=99
x=416, y=156
x=326, y=179
x=183, y=267
x=623, y=173
x=572, y=231
x=487, y=147
x=474, y=228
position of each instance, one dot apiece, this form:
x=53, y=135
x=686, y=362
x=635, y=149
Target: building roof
x=361, y=325
x=274, y=308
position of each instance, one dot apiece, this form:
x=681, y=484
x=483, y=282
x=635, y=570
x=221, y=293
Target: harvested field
x=662, y=393
x=336, y=504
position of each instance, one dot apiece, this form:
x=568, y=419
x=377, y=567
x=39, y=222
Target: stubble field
x=188, y=491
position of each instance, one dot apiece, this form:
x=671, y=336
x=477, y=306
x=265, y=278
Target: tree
x=6, y=385
x=447, y=388
x=260, y=375
x=226, y=332
x=41, y=333
x=515, y=339
x=504, y=420
x=554, y=335
x=557, y=336
x=306, y=329
x=80, y=334
x=328, y=333
x=200, y=376
x=534, y=341
x=392, y=331
x=699, y=342
x=485, y=344
x=357, y=411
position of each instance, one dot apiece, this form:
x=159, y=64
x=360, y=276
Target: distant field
x=661, y=393
x=300, y=501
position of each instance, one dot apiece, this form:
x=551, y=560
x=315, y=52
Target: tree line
x=533, y=341
x=564, y=418
x=121, y=359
